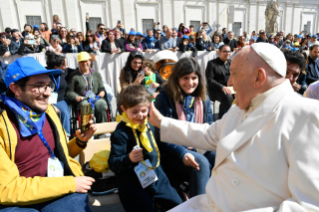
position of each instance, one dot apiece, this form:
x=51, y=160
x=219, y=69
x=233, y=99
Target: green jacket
x=78, y=85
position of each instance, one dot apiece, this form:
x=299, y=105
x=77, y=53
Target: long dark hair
x=130, y=74
x=135, y=43
x=184, y=67
x=54, y=60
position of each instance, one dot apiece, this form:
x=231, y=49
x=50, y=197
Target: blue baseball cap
x=26, y=67
x=162, y=34
x=185, y=37
x=314, y=36
x=139, y=33
x=35, y=26
x=132, y=32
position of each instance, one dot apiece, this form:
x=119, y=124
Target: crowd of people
x=266, y=76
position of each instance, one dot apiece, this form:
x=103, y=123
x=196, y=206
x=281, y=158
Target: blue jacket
x=166, y=106
x=146, y=43
x=68, y=49
x=312, y=70
x=15, y=48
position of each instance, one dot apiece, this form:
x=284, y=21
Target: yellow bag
x=99, y=161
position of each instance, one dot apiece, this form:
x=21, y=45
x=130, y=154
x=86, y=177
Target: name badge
x=53, y=99
x=145, y=175
x=151, y=89
x=55, y=168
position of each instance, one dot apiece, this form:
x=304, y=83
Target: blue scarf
x=149, y=40
x=30, y=122
x=92, y=100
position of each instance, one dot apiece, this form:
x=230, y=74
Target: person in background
x=304, y=45
x=132, y=71
x=131, y=45
x=62, y=34
x=295, y=65
x=99, y=35
x=18, y=43
x=120, y=37
x=55, y=61
x=312, y=74
x=290, y=37
x=246, y=36
x=150, y=44
x=230, y=41
x=184, y=98
x=203, y=42
x=56, y=19
x=241, y=42
x=287, y=45
x=90, y=45
x=224, y=33
x=54, y=31
x=73, y=45
x=165, y=28
x=32, y=175
x=253, y=35
x=191, y=31
x=252, y=41
x=217, y=75
x=40, y=39
x=182, y=30
x=165, y=41
x=80, y=37
x=45, y=31
x=205, y=26
x=72, y=31
x=271, y=40
x=4, y=45
x=120, y=26
x=86, y=86
x=262, y=37
x=185, y=46
x=126, y=36
x=55, y=45
x=313, y=41
x=125, y=156
x=217, y=42
x=139, y=36
x=153, y=81
x=158, y=34
x=175, y=41
x=27, y=30
x=192, y=40
x=111, y=45
x=8, y=31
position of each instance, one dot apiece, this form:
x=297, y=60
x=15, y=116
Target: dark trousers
x=136, y=199
x=73, y=202
x=226, y=101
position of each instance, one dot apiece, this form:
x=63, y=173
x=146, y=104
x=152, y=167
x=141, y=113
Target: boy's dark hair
x=21, y=83
x=8, y=30
x=54, y=60
x=221, y=47
x=133, y=95
x=296, y=58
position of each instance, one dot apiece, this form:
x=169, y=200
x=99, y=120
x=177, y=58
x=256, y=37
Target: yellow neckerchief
x=143, y=136
x=149, y=81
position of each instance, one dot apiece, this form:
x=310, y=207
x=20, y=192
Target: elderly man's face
x=174, y=33
x=314, y=54
x=169, y=33
x=230, y=36
x=293, y=71
x=150, y=33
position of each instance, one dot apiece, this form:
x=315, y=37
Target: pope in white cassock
x=267, y=144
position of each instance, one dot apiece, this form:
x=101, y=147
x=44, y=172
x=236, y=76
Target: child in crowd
x=135, y=158
x=153, y=81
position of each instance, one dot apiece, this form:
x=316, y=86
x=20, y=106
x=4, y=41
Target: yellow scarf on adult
x=140, y=127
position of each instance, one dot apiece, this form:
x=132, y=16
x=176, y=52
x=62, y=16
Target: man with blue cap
x=150, y=44
x=37, y=170
x=313, y=41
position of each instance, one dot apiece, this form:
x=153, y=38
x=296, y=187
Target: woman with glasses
x=112, y=45
x=241, y=42
x=80, y=37
x=58, y=98
x=86, y=86
x=132, y=72
x=45, y=31
x=203, y=42
x=55, y=44
x=184, y=97
x=73, y=45
x=4, y=45
x=131, y=44
x=62, y=34
x=217, y=42
x=90, y=45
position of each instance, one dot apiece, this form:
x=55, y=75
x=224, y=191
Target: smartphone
x=85, y=117
x=87, y=14
x=158, y=23
x=204, y=22
x=142, y=73
x=118, y=22
x=32, y=42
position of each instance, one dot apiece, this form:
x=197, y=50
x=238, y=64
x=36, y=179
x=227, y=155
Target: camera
x=158, y=23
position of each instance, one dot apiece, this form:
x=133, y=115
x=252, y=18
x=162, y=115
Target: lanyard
x=154, y=143
x=57, y=84
x=46, y=144
x=89, y=87
x=168, y=42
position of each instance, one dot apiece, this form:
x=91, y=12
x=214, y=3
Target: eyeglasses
x=89, y=36
x=43, y=88
x=101, y=28
x=226, y=52
x=62, y=30
x=79, y=35
x=73, y=31
x=3, y=36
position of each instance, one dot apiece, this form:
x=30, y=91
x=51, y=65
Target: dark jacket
x=259, y=40
x=216, y=77
x=202, y=45
x=68, y=49
x=106, y=46
x=147, y=44
x=166, y=105
x=3, y=71
x=87, y=48
x=15, y=48
x=312, y=70
x=232, y=43
x=190, y=47
x=3, y=49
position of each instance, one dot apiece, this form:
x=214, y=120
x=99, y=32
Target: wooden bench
x=96, y=145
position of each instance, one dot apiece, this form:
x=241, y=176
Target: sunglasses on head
x=136, y=54
x=102, y=28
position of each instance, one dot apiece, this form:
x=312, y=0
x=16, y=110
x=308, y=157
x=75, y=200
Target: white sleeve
x=203, y=136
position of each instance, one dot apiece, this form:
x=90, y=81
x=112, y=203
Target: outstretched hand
x=155, y=116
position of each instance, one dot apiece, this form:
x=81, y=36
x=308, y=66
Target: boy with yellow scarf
x=135, y=158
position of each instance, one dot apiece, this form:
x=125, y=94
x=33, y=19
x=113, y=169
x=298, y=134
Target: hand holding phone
x=85, y=117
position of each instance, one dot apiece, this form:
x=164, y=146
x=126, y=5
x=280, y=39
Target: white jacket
x=268, y=162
